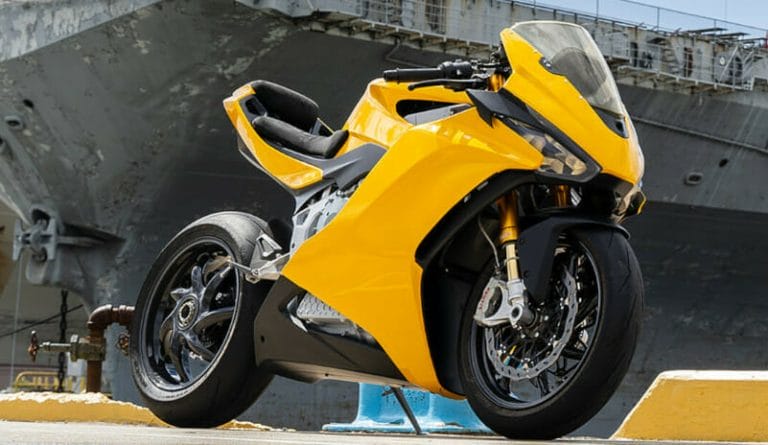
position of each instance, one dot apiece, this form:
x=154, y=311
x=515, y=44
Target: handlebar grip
x=413, y=74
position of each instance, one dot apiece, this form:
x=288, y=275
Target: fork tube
x=495, y=82
x=561, y=195
x=508, y=237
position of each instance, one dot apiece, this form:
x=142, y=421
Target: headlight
x=558, y=161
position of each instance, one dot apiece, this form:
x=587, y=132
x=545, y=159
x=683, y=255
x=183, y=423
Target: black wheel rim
x=509, y=393
x=188, y=322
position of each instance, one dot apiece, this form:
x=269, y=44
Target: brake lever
x=452, y=84
x=427, y=83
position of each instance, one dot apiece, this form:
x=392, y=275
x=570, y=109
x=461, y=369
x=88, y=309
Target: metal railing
x=733, y=67
x=653, y=17
x=424, y=15
x=437, y=16
x=673, y=45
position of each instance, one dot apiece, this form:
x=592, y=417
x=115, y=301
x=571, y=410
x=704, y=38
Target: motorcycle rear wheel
x=507, y=393
x=191, y=350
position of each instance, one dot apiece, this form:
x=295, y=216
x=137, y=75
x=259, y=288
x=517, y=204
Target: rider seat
x=289, y=119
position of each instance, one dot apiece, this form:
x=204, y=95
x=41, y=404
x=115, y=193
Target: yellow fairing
x=291, y=172
x=375, y=118
x=555, y=98
x=370, y=245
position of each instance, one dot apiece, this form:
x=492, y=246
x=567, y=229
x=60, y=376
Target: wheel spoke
x=572, y=353
x=180, y=292
x=194, y=345
x=197, y=280
x=174, y=353
x=213, y=286
x=585, y=309
x=215, y=264
x=572, y=264
x=566, y=370
x=543, y=383
x=166, y=328
x=210, y=318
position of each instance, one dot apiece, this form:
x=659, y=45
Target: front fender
x=536, y=247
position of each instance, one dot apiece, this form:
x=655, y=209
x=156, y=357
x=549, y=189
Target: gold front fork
x=509, y=231
x=495, y=82
x=561, y=195
x=508, y=237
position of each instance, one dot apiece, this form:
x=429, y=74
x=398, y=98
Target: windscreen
x=572, y=53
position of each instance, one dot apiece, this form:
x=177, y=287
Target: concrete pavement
x=94, y=433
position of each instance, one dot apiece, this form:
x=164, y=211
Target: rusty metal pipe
x=104, y=316
x=93, y=376
x=101, y=318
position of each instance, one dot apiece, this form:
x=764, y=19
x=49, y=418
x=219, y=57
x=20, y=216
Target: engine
x=317, y=214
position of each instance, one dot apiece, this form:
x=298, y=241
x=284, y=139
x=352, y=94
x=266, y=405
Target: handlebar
x=412, y=75
x=446, y=70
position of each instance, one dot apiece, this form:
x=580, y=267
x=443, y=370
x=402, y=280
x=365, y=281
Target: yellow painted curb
x=89, y=407
x=730, y=406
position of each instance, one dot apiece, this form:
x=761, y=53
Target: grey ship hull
x=124, y=138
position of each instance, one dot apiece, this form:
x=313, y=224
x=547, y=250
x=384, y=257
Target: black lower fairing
x=286, y=347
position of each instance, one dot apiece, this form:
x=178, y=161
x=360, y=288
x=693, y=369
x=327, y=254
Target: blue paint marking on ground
x=379, y=411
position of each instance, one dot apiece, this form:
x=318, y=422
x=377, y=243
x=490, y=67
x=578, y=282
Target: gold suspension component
x=508, y=237
x=561, y=195
x=496, y=81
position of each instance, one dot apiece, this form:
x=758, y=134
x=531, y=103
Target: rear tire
x=600, y=369
x=228, y=381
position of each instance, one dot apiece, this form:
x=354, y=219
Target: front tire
x=508, y=395
x=191, y=351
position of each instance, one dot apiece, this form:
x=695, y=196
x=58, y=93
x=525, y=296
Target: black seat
x=288, y=118
x=299, y=140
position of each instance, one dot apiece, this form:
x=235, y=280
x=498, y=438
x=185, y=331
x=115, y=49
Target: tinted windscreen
x=572, y=53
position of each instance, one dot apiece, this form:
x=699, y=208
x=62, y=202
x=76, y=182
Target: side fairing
x=375, y=118
x=363, y=263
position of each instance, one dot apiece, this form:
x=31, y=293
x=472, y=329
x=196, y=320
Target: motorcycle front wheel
x=191, y=350
x=544, y=379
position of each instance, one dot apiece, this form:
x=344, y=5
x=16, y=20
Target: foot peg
x=265, y=270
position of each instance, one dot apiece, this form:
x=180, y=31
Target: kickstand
x=407, y=408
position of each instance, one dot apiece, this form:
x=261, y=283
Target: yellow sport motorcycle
x=459, y=234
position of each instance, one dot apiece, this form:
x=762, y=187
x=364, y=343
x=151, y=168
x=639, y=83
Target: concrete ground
x=80, y=433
